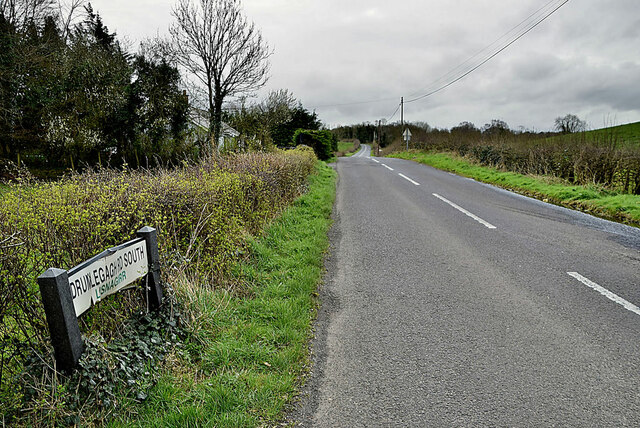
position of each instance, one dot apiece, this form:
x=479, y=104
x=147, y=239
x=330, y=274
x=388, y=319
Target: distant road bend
x=449, y=302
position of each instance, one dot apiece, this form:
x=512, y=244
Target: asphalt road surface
x=453, y=303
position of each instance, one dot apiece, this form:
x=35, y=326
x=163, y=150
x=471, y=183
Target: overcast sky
x=584, y=59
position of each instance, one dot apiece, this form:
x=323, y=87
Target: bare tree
x=570, y=124
x=214, y=42
x=20, y=13
x=495, y=128
x=277, y=107
x=67, y=15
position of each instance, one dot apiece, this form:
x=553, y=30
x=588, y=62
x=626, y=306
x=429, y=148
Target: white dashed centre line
x=407, y=178
x=388, y=167
x=375, y=160
x=462, y=210
x=606, y=293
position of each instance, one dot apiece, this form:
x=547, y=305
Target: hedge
x=203, y=213
x=324, y=143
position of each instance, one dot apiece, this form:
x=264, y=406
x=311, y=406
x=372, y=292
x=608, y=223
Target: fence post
x=154, y=284
x=61, y=318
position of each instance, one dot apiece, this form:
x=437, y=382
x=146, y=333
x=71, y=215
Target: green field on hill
x=625, y=135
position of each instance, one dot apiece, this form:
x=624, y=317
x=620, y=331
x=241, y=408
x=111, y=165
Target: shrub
x=324, y=142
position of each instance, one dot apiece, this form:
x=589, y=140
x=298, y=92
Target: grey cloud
x=583, y=60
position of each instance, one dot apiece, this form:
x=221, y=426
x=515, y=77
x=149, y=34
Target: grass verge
x=346, y=148
x=247, y=351
x=624, y=208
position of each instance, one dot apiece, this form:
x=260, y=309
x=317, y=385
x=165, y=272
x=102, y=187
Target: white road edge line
x=606, y=293
x=386, y=166
x=462, y=210
x=407, y=178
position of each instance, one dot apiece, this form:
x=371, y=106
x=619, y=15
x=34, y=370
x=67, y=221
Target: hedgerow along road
x=453, y=303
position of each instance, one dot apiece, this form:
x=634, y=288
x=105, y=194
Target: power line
x=528, y=25
x=486, y=48
x=394, y=113
x=465, y=74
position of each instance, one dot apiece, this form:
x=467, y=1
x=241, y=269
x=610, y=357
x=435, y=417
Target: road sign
x=107, y=273
x=68, y=294
x=407, y=137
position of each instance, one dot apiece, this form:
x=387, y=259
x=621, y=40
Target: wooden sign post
x=68, y=294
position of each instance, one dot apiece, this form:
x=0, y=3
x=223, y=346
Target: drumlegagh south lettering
x=107, y=275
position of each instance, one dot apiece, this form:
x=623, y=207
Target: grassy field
x=346, y=148
x=628, y=134
x=625, y=135
x=620, y=207
x=244, y=360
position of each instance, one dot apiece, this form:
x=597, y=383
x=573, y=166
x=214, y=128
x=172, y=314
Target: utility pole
x=401, y=114
x=379, y=138
x=402, y=119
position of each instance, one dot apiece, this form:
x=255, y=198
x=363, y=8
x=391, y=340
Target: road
x=450, y=302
